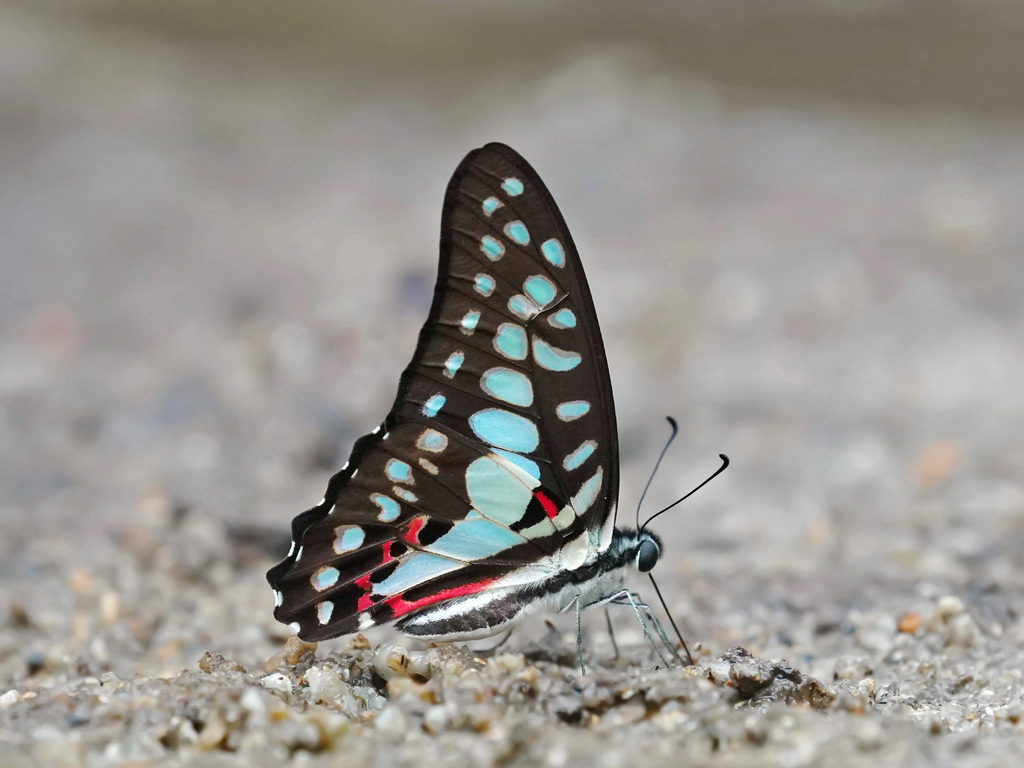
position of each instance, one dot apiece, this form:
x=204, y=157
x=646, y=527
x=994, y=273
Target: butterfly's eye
x=647, y=555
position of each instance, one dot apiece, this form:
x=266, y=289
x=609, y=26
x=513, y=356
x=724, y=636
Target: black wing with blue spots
x=498, y=462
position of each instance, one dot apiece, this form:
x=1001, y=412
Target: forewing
x=500, y=452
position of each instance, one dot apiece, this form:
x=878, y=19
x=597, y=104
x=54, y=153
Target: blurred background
x=801, y=222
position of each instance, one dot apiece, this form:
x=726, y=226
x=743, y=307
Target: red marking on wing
x=548, y=504
x=365, y=599
x=412, y=533
x=364, y=583
x=400, y=606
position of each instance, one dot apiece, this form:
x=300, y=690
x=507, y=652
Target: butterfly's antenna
x=716, y=473
x=675, y=431
x=668, y=613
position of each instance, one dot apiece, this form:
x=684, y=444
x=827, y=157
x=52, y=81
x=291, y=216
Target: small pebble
x=391, y=719
x=298, y=651
x=390, y=660
x=110, y=607
x=909, y=623
x=435, y=719
x=277, y=682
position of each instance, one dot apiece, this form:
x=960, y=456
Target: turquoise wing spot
x=492, y=247
x=510, y=341
x=572, y=410
x=540, y=289
x=389, y=509
x=522, y=307
x=398, y=471
x=562, y=319
x=325, y=578
x=403, y=493
x=324, y=611
x=416, y=569
x=553, y=358
x=453, y=363
x=588, y=493
x=347, y=538
x=432, y=440
x=434, y=404
x=476, y=539
x=469, y=321
x=513, y=187
x=491, y=204
x=495, y=492
x=529, y=466
x=484, y=285
x=577, y=458
x=553, y=252
x=504, y=429
x=510, y=386
x=517, y=232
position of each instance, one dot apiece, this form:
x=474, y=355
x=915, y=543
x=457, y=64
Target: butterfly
x=489, y=491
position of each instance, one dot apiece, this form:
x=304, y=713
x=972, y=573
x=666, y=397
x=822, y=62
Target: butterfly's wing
x=498, y=462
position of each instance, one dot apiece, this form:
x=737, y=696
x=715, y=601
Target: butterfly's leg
x=611, y=633
x=579, y=635
x=625, y=597
x=639, y=603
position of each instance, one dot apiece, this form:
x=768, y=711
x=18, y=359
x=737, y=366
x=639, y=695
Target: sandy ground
x=218, y=246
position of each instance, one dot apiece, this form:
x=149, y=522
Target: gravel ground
x=218, y=247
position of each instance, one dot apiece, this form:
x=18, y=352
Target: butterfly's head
x=640, y=548
x=648, y=550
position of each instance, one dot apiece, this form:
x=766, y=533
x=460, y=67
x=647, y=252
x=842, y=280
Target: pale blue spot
x=575, y=459
x=402, y=493
x=453, y=363
x=510, y=340
x=517, y=232
x=325, y=578
x=416, y=569
x=563, y=318
x=492, y=248
x=553, y=358
x=432, y=440
x=491, y=204
x=527, y=465
x=470, y=320
x=553, y=252
x=504, y=429
x=348, y=538
x=513, y=187
x=495, y=492
x=398, y=471
x=572, y=410
x=484, y=285
x=389, y=509
x=521, y=306
x=508, y=385
x=540, y=289
x=430, y=466
x=475, y=540
x=587, y=494
x=324, y=611
x=434, y=404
